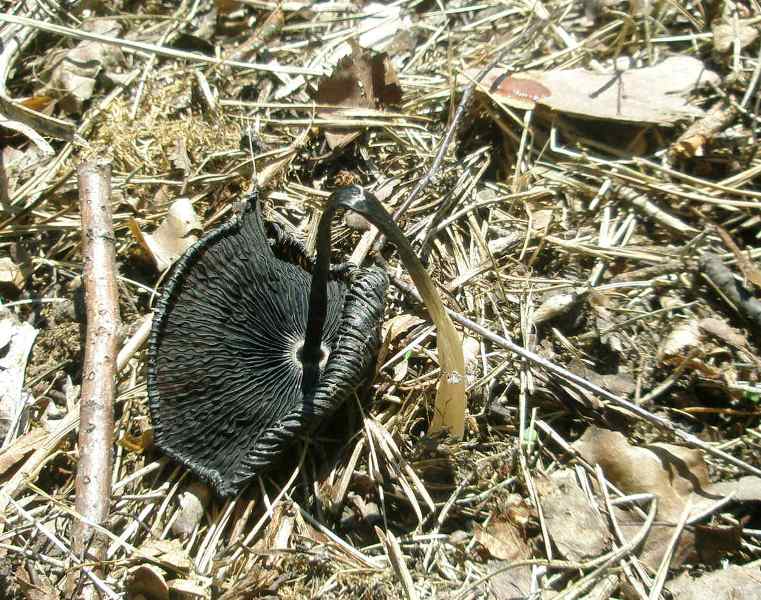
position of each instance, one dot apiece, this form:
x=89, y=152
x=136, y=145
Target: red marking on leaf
x=523, y=89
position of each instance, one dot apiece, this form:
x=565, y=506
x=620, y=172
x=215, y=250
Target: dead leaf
x=16, y=340
x=574, y=526
x=725, y=34
x=225, y=7
x=12, y=277
x=175, y=235
x=392, y=329
x=648, y=95
x=179, y=157
x=541, y=219
x=619, y=383
x=193, y=502
x=21, y=448
x=679, y=342
x=733, y=583
x=168, y=553
x=42, y=589
x=556, y=306
x=714, y=541
x=186, y=589
x=503, y=540
x=723, y=331
x=147, y=581
x=400, y=325
x=510, y=583
x=744, y=489
x=685, y=343
x=362, y=80
x=400, y=370
x=669, y=471
x=73, y=78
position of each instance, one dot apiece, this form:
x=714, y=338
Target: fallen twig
x=93, y=483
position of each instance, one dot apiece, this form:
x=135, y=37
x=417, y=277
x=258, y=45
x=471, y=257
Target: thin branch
x=93, y=484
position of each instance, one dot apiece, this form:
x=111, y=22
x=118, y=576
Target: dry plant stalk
x=93, y=483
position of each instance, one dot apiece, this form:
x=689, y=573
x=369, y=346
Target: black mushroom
x=254, y=343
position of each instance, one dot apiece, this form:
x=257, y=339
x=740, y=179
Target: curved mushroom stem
x=450, y=396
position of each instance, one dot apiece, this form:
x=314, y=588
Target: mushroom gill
x=226, y=386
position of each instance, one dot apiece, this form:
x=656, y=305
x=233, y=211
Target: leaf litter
x=596, y=201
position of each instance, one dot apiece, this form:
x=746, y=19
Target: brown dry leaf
x=509, y=584
x=744, y=489
x=574, y=526
x=42, y=104
x=733, y=583
x=362, y=80
x=679, y=342
x=179, y=157
x=187, y=589
x=648, y=95
x=682, y=341
x=618, y=383
x=725, y=34
x=671, y=472
x=147, y=581
x=556, y=305
x=503, y=540
x=21, y=448
x=74, y=76
x=400, y=370
x=225, y=7
x=724, y=331
x=42, y=589
x=175, y=235
x=541, y=219
x=167, y=553
x=714, y=541
x=400, y=325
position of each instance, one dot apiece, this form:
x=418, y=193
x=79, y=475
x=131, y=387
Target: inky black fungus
x=254, y=343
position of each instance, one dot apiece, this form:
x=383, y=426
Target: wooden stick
x=96, y=408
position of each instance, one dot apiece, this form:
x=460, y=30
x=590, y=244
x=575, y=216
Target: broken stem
x=93, y=483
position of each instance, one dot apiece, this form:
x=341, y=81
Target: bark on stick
x=96, y=409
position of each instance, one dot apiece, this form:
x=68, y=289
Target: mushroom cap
x=224, y=375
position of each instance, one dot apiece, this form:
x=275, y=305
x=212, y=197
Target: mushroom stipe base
x=226, y=397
